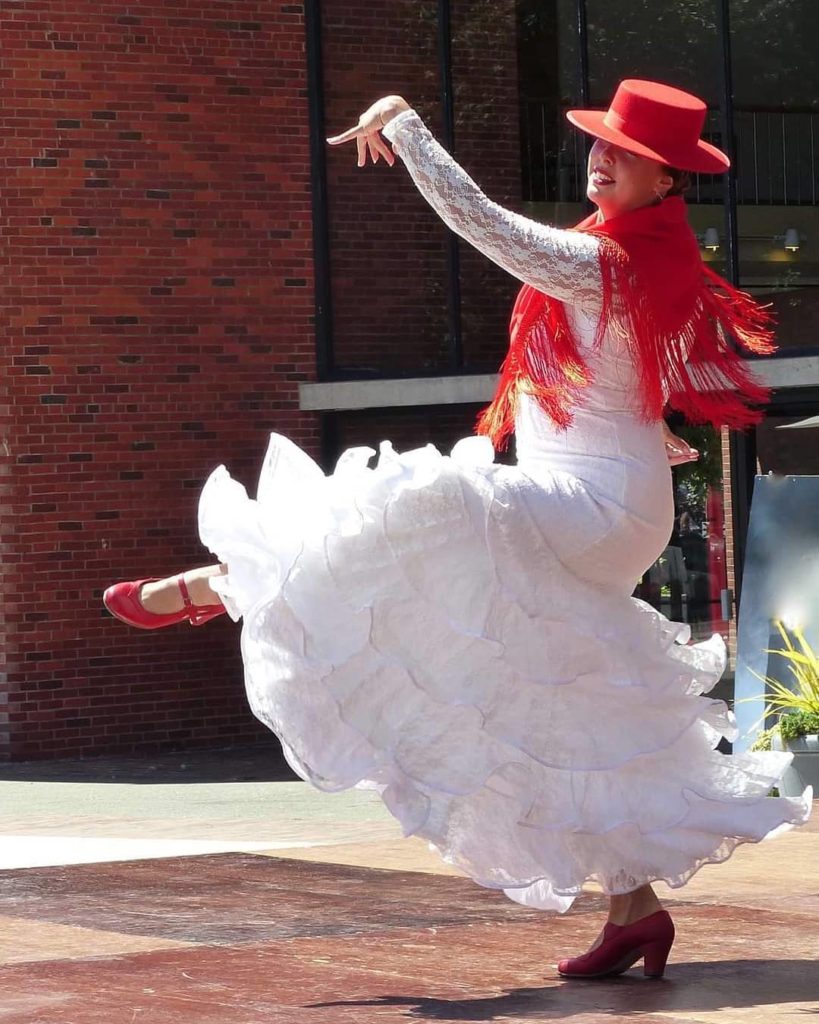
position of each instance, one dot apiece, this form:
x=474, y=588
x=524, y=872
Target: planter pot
x=804, y=769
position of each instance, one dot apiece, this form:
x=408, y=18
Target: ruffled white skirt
x=408, y=628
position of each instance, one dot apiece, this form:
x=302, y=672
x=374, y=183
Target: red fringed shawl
x=676, y=315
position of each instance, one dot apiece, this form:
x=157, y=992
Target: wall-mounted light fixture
x=711, y=239
x=792, y=240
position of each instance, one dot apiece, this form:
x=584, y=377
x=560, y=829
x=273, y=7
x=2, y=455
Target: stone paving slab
x=291, y=942
x=24, y=941
x=363, y=928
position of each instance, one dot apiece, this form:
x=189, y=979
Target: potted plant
x=797, y=712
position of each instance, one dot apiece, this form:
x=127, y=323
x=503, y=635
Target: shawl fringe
x=693, y=366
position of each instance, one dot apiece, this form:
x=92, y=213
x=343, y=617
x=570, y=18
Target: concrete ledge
x=797, y=371
x=389, y=394
x=789, y=372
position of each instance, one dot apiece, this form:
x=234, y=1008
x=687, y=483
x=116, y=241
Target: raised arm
x=563, y=264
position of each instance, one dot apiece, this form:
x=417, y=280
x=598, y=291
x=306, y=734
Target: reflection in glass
x=788, y=445
x=553, y=153
x=777, y=133
x=687, y=581
x=633, y=39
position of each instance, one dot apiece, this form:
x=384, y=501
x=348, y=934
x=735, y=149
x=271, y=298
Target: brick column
x=157, y=312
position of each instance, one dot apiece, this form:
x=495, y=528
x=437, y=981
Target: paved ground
x=299, y=907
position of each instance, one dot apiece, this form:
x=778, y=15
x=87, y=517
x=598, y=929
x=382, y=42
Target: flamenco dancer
x=459, y=635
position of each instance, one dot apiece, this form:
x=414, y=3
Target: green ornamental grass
x=796, y=705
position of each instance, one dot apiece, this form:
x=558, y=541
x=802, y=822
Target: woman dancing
x=459, y=635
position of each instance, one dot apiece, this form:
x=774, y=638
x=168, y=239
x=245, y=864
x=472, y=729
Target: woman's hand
x=678, y=450
x=366, y=132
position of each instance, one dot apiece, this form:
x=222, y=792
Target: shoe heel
x=655, y=958
x=202, y=614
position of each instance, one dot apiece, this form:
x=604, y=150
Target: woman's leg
x=626, y=908
x=631, y=906
x=163, y=597
x=637, y=929
x=154, y=604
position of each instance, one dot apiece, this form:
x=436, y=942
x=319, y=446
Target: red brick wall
x=157, y=312
x=388, y=249
x=387, y=252
x=487, y=144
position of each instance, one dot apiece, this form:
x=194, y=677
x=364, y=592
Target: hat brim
x=702, y=159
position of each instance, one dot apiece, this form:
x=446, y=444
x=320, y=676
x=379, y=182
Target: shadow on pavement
x=688, y=987
x=258, y=762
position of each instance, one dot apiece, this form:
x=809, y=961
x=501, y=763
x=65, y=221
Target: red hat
x=656, y=121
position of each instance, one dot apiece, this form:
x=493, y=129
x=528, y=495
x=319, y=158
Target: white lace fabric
x=560, y=263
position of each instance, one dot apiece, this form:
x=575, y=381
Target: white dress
x=460, y=635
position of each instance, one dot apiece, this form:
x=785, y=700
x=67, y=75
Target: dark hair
x=680, y=181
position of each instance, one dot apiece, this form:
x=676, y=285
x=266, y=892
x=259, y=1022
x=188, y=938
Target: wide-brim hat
x=656, y=121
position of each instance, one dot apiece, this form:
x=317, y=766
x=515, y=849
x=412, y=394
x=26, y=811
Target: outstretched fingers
x=348, y=136
x=368, y=139
x=377, y=143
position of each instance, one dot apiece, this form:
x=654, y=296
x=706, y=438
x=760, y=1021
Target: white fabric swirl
x=538, y=730
x=460, y=635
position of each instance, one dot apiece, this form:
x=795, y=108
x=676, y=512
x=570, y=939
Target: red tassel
x=687, y=362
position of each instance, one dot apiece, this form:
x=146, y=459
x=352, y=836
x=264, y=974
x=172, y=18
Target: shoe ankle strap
x=183, y=590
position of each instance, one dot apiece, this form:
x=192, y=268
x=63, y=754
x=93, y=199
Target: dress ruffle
x=410, y=628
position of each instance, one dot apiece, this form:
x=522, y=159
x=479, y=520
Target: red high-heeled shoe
x=649, y=939
x=122, y=601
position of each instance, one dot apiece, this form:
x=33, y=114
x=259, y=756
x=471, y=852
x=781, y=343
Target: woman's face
x=619, y=181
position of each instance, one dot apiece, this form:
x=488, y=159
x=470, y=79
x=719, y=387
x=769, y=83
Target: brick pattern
x=389, y=269
x=157, y=311
x=387, y=250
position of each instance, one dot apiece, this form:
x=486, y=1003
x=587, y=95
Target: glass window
x=552, y=152
x=688, y=580
x=777, y=137
x=788, y=444
x=629, y=39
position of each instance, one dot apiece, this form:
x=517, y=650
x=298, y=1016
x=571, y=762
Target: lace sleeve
x=563, y=264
